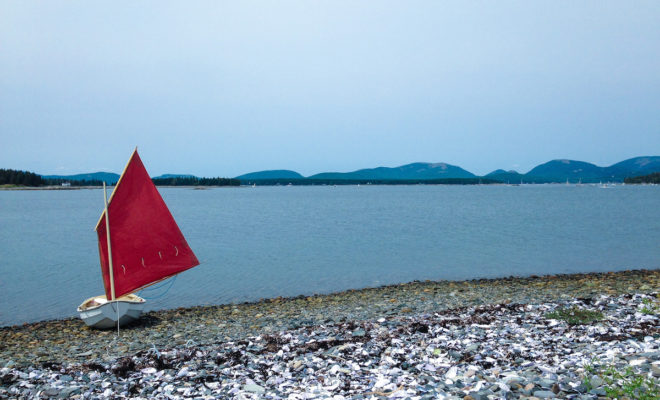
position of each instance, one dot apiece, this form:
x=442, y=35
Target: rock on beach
x=473, y=339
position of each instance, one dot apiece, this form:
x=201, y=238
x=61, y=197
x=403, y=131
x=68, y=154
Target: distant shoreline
x=344, y=183
x=48, y=187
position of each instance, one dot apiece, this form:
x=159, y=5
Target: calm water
x=284, y=241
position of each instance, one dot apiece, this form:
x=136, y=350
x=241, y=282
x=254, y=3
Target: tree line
x=195, y=181
x=85, y=182
x=650, y=178
x=25, y=178
x=20, y=178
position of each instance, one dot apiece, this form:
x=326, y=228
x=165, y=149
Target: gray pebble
x=544, y=394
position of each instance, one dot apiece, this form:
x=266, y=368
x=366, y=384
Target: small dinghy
x=140, y=244
x=100, y=313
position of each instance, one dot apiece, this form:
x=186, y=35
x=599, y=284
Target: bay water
x=263, y=242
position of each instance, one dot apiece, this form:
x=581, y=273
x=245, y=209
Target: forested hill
x=409, y=171
x=270, y=174
x=557, y=171
x=20, y=178
x=653, y=178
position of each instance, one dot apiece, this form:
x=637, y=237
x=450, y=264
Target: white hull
x=98, y=312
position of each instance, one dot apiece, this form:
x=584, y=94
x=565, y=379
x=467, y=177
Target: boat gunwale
x=127, y=298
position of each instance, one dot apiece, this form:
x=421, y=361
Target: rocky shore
x=473, y=339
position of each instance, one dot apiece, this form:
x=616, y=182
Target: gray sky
x=224, y=88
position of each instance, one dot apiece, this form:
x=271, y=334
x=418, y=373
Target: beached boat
x=140, y=244
x=100, y=313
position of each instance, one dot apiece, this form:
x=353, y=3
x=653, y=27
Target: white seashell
x=381, y=382
x=182, y=372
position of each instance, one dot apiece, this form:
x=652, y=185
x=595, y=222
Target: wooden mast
x=107, y=231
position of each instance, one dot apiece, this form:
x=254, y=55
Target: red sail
x=146, y=243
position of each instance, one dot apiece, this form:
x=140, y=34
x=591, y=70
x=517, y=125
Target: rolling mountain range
x=271, y=174
x=409, y=171
x=574, y=171
x=553, y=171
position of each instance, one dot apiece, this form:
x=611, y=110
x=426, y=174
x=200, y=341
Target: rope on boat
x=169, y=283
x=153, y=350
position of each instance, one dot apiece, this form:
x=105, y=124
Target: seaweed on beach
x=611, y=337
x=313, y=347
x=8, y=379
x=419, y=327
x=152, y=358
x=646, y=328
x=447, y=322
x=52, y=365
x=232, y=358
x=273, y=343
x=124, y=367
x=95, y=367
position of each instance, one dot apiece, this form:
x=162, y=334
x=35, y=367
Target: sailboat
x=140, y=244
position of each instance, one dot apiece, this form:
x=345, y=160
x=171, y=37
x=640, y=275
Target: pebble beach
x=478, y=339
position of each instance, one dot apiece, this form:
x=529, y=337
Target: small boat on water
x=140, y=244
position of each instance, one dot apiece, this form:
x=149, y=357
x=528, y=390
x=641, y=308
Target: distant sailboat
x=139, y=244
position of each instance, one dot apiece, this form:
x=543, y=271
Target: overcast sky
x=225, y=88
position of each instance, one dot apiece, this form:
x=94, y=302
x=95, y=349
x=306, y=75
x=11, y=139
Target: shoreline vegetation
x=433, y=339
x=653, y=178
